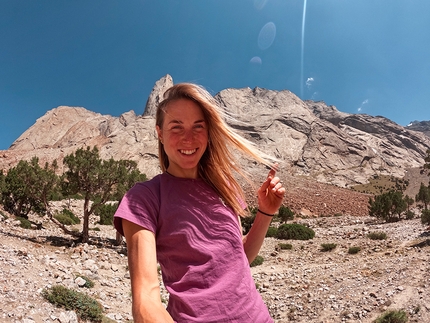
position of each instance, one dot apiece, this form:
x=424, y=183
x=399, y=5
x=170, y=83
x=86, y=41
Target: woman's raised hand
x=271, y=193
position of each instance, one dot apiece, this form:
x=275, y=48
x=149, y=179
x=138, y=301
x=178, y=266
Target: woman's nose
x=188, y=135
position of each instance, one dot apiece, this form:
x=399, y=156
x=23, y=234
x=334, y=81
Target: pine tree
x=27, y=187
x=423, y=195
x=97, y=181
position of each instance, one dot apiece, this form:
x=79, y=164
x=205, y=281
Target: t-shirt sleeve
x=140, y=206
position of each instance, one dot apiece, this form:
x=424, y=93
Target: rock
x=80, y=282
x=68, y=317
x=156, y=95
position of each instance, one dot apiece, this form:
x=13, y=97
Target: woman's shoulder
x=152, y=185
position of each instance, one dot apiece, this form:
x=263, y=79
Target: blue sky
x=363, y=56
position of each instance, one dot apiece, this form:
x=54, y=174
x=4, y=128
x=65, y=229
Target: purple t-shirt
x=199, y=249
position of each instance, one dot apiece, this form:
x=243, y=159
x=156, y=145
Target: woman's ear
x=160, y=136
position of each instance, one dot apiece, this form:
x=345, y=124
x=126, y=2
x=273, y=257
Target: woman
x=186, y=219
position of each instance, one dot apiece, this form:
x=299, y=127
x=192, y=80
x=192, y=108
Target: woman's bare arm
x=142, y=263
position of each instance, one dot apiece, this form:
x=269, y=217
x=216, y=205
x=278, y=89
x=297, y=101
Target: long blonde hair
x=218, y=163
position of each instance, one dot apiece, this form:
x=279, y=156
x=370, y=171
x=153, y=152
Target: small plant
x=71, y=215
x=24, y=223
x=285, y=246
x=271, y=232
x=377, y=235
x=67, y=217
x=410, y=215
x=393, y=316
x=328, y=246
x=257, y=261
x=354, y=250
x=425, y=217
x=248, y=220
x=63, y=219
x=294, y=231
x=85, y=307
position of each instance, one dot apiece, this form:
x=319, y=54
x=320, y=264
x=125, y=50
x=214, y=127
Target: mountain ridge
x=314, y=141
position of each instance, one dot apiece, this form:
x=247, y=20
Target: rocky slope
x=303, y=284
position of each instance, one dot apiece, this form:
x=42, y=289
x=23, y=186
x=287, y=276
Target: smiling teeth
x=188, y=152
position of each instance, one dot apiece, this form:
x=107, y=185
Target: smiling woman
x=186, y=219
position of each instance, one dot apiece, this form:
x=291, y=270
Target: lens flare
x=259, y=4
x=303, y=50
x=267, y=36
x=256, y=60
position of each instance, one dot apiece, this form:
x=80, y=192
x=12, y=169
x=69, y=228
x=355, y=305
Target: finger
x=279, y=193
x=275, y=181
x=277, y=186
x=265, y=185
x=269, y=179
x=271, y=174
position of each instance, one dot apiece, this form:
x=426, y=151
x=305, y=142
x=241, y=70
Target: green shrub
x=285, y=213
x=106, y=213
x=88, y=282
x=328, y=246
x=392, y=316
x=67, y=217
x=257, y=261
x=377, y=235
x=25, y=223
x=85, y=307
x=71, y=215
x=271, y=232
x=248, y=220
x=410, y=215
x=294, y=231
x=285, y=246
x=64, y=219
x=425, y=217
x=354, y=250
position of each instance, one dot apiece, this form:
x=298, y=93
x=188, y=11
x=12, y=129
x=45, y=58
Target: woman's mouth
x=187, y=151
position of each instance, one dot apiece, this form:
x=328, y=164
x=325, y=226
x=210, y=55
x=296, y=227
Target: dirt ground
x=304, y=284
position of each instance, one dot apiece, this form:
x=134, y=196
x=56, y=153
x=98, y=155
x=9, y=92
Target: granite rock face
x=319, y=141
x=310, y=138
x=156, y=95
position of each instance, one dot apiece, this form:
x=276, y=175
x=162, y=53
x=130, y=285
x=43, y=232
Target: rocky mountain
x=423, y=126
x=314, y=141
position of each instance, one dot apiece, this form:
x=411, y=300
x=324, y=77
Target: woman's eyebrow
x=181, y=122
x=175, y=121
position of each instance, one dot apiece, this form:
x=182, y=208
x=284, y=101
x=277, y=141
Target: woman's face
x=184, y=135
